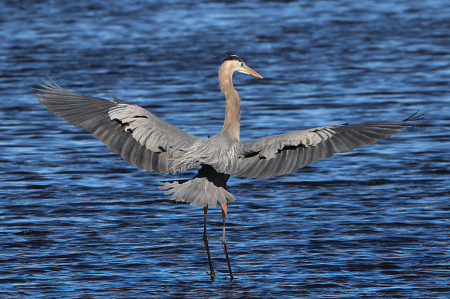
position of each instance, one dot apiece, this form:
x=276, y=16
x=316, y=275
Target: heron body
x=150, y=143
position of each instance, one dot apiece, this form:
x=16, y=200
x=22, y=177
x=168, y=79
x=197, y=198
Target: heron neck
x=232, y=104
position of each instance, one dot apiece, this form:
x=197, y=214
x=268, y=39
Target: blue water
x=371, y=223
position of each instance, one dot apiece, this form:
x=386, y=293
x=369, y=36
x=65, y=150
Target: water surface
x=77, y=221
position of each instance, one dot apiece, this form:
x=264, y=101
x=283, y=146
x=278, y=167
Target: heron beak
x=249, y=71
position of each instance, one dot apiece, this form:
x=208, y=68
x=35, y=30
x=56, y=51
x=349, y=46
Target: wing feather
x=290, y=167
x=289, y=160
x=139, y=136
x=279, y=154
x=127, y=147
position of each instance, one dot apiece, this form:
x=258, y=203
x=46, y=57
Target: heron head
x=239, y=65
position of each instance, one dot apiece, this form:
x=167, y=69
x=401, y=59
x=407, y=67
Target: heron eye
x=242, y=64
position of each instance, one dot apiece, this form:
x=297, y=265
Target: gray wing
x=140, y=137
x=280, y=154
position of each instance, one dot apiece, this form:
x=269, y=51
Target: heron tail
x=205, y=189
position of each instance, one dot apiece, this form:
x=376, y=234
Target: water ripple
x=79, y=221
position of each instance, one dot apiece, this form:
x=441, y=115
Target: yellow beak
x=249, y=71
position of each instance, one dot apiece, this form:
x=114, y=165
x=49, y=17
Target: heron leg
x=224, y=242
x=205, y=239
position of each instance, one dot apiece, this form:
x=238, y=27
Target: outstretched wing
x=270, y=156
x=140, y=137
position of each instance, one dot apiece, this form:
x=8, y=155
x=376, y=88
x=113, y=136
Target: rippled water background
x=371, y=223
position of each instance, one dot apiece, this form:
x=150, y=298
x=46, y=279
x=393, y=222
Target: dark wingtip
x=414, y=117
x=46, y=85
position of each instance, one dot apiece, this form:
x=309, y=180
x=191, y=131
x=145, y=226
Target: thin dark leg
x=224, y=242
x=205, y=239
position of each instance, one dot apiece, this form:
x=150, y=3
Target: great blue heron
x=150, y=143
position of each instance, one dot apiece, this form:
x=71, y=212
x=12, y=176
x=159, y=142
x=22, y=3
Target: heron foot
x=212, y=275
